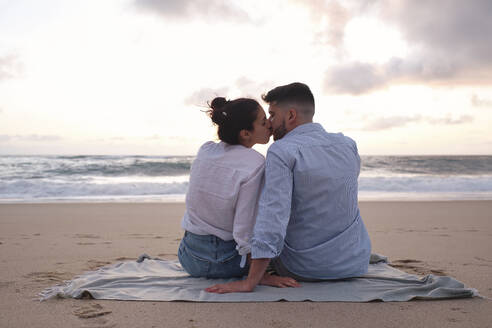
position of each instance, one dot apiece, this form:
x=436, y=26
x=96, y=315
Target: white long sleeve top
x=222, y=198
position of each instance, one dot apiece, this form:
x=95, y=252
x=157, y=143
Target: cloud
x=252, y=89
x=449, y=42
x=204, y=95
x=10, y=67
x=212, y=10
x=153, y=137
x=480, y=102
x=358, y=78
x=243, y=86
x=385, y=123
x=355, y=78
x=448, y=120
x=331, y=17
x=37, y=137
x=390, y=122
x=335, y=16
x=181, y=139
x=455, y=29
x=30, y=137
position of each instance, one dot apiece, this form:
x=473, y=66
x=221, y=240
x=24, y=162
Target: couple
x=292, y=217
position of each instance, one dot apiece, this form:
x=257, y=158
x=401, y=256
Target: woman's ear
x=244, y=135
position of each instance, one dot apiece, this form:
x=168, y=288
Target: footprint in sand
x=403, y=307
x=89, y=311
x=279, y=324
x=86, y=235
x=93, y=314
x=95, y=264
x=478, y=264
x=5, y=284
x=49, y=276
x=403, y=230
x=141, y=235
x=124, y=259
x=416, y=267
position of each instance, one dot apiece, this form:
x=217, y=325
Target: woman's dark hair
x=232, y=116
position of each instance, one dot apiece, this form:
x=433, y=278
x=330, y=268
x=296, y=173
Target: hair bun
x=218, y=103
x=217, y=113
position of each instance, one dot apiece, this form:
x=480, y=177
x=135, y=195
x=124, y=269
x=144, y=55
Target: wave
x=426, y=165
x=178, y=185
x=36, y=167
x=37, y=177
x=23, y=189
x=427, y=184
x=83, y=166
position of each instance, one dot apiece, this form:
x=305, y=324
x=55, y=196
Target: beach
x=44, y=244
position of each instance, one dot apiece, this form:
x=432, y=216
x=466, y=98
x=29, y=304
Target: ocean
x=165, y=178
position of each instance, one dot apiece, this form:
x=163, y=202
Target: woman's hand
x=257, y=275
x=244, y=286
x=277, y=281
x=240, y=286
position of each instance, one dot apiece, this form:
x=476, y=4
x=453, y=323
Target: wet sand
x=43, y=244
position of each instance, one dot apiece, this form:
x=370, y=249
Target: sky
x=121, y=77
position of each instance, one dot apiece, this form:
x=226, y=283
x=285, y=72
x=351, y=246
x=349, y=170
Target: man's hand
x=277, y=281
x=240, y=286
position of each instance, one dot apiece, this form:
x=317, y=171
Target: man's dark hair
x=293, y=94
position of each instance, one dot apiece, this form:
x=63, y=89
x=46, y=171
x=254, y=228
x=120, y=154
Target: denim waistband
x=207, y=238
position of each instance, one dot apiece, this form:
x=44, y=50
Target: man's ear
x=291, y=115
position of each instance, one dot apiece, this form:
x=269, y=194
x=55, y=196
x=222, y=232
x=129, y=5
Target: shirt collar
x=305, y=128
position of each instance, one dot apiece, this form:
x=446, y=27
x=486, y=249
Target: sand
x=44, y=244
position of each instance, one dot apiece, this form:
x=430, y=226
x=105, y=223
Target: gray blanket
x=162, y=280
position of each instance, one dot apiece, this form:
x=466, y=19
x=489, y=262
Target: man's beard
x=279, y=132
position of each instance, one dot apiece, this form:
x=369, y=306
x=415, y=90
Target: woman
x=225, y=182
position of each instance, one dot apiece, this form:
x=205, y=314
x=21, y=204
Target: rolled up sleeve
x=274, y=207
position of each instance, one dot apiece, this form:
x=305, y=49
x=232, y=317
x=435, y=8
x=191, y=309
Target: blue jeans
x=209, y=256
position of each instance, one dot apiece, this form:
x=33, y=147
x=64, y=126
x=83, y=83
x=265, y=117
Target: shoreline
x=45, y=244
x=127, y=202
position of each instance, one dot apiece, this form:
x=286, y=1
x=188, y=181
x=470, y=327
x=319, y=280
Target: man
x=308, y=224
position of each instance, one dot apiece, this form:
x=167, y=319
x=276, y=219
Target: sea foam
x=143, y=178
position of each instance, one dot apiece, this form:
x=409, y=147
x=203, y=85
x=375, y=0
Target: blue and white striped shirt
x=308, y=211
